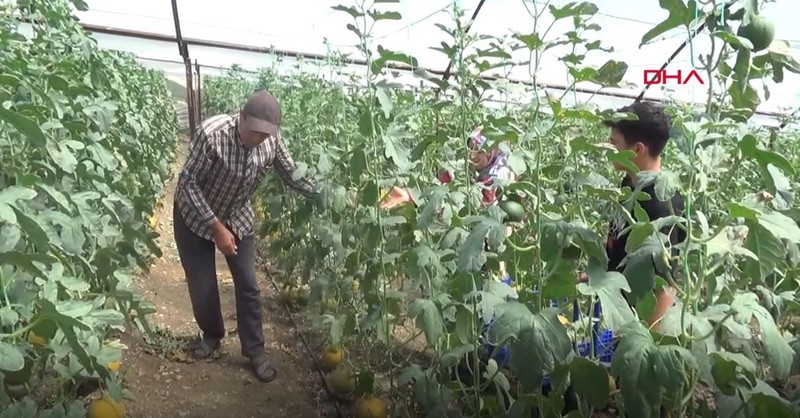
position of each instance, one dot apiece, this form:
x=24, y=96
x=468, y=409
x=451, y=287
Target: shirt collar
x=237, y=135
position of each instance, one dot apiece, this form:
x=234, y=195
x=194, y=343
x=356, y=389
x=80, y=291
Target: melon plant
x=87, y=140
x=430, y=295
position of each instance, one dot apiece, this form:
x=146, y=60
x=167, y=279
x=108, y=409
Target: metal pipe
x=469, y=25
x=190, y=98
x=178, y=37
x=183, y=50
x=199, y=88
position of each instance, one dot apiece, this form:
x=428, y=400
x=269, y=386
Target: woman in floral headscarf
x=491, y=163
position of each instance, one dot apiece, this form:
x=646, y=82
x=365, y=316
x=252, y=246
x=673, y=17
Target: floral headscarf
x=498, y=163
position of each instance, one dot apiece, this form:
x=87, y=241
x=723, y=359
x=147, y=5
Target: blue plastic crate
x=602, y=340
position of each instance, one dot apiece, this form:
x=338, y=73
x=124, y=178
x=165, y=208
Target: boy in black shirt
x=646, y=137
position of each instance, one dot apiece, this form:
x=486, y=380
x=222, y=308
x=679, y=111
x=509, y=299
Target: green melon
x=20, y=377
x=760, y=31
x=515, y=212
x=343, y=380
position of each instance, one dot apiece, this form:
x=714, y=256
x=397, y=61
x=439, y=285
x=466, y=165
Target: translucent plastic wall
x=314, y=27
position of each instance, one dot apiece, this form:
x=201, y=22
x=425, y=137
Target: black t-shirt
x=615, y=245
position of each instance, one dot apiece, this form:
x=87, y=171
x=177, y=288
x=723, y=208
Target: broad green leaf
x=779, y=353
x=732, y=371
x=375, y=15
x=541, y=344
x=428, y=319
x=352, y=11
x=747, y=99
x=34, y=230
x=435, y=197
x=764, y=406
x=729, y=242
x=780, y=186
x=611, y=73
x=8, y=316
x=590, y=381
x=767, y=250
x=25, y=125
x=371, y=194
x=584, y=8
x=679, y=14
x=12, y=194
x=67, y=325
x=471, y=255
x=608, y=287
x=675, y=322
x=511, y=318
x=651, y=376
x=11, y=359
x=395, y=149
x=780, y=225
x=7, y=214
x=732, y=406
x=25, y=408
x=623, y=158
x=57, y=196
x=640, y=267
x=750, y=148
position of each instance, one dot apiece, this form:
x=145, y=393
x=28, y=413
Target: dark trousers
x=198, y=257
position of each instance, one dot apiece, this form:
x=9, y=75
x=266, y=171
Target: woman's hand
x=395, y=197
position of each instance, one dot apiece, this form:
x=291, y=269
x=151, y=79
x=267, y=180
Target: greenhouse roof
x=313, y=28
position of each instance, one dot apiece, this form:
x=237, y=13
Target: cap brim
x=259, y=125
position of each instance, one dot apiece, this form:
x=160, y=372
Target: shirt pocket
x=233, y=174
x=262, y=164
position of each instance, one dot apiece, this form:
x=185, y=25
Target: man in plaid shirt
x=229, y=157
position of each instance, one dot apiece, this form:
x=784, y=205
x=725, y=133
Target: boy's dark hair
x=652, y=128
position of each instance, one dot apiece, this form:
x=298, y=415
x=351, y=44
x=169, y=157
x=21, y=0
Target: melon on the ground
x=343, y=380
x=331, y=357
x=106, y=407
x=370, y=407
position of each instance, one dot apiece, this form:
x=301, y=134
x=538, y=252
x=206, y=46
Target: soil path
x=165, y=384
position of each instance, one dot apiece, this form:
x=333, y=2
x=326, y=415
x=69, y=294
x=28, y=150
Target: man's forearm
x=217, y=227
x=302, y=186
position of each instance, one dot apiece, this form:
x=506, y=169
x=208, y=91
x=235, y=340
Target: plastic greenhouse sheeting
x=314, y=27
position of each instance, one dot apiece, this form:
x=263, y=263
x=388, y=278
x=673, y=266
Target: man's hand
x=224, y=239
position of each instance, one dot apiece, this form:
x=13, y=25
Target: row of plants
x=728, y=347
x=87, y=137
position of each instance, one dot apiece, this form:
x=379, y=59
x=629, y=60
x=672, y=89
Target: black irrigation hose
x=331, y=396
x=678, y=51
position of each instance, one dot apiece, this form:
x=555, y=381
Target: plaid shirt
x=221, y=174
